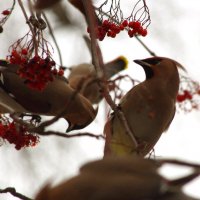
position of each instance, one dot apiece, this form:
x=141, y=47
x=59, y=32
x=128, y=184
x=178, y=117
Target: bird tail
x=115, y=66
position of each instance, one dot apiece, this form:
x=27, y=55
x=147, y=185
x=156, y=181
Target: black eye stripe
x=153, y=61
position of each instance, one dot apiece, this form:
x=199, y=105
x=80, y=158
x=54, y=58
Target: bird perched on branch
x=149, y=109
x=85, y=75
x=58, y=97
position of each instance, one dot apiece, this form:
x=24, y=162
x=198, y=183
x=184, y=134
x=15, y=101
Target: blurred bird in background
x=117, y=178
x=86, y=74
x=148, y=107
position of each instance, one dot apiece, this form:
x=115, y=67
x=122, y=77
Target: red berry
x=131, y=33
x=36, y=58
x=5, y=12
x=14, y=53
x=88, y=30
x=180, y=98
x=187, y=94
x=144, y=32
x=113, y=27
x=121, y=27
x=109, y=33
x=113, y=34
x=24, y=51
x=130, y=24
x=136, y=25
x=140, y=31
x=54, y=71
x=61, y=72
x=117, y=30
x=105, y=23
x=124, y=23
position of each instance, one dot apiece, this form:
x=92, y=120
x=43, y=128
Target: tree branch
x=13, y=191
x=100, y=136
x=98, y=64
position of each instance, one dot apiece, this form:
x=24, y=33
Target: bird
x=109, y=178
x=116, y=178
x=58, y=97
x=84, y=74
x=149, y=108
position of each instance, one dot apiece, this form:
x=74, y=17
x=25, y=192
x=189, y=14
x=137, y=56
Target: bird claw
x=34, y=118
x=141, y=147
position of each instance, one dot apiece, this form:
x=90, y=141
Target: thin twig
x=31, y=28
x=184, y=180
x=13, y=191
x=178, y=162
x=3, y=21
x=71, y=135
x=98, y=64
x=54, y=39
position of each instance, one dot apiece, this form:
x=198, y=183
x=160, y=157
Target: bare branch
x=98, y=64
x=53, y=38
x=178, y=162
x=100, y=136
x=13, y=191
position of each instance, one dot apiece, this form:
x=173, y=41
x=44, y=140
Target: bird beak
x=73, y=127
x=142, y=63
x=147, y=68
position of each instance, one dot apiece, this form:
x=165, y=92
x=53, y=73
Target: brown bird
x=115, y=178
x=85, y=75
x=112, y=178
x=57, y=97
x=149, y=109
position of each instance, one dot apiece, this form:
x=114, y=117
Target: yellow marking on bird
x=125, y=60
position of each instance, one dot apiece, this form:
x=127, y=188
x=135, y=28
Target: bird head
x=81, y=119
x=162, y=70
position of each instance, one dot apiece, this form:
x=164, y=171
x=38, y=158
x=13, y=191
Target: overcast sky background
x=174, y=32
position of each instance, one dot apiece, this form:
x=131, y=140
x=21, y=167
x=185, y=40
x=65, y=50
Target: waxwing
x=85, y=75
x=110, y=178
x=149, y=108
x=15, y=96
x=115, y=178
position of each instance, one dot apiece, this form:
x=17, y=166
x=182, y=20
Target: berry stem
x=31, y=28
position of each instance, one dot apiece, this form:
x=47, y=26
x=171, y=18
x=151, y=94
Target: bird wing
x=32, y=100
x=8, y=104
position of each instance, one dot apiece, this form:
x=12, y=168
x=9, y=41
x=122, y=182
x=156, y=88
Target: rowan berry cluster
x=5, y=12
x=185, y=96
x=17, y=134
x=36, y=71
x=111, y=29
x=189, y=94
